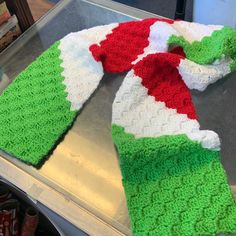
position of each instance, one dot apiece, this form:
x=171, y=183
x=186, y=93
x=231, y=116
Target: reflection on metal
x=233, y=187
x=81, y=180
x=122, y=9
x=4, y=80
x=83, y=173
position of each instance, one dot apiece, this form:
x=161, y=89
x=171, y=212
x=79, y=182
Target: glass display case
x=81, y=181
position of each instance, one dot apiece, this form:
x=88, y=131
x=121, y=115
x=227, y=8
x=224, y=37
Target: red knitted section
x=160, y=76
x=169, y=21
x=179, y=51
x=124, y=44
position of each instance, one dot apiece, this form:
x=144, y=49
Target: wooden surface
x=39, y=7
x=22, y=11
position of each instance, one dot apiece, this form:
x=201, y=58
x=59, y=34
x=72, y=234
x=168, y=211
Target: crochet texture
x=172, y=175
x=34, y=111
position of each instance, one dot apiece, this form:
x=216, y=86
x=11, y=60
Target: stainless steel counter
x=81, y=180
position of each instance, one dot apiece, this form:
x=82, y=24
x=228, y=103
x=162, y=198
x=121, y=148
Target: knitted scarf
x=172, y=174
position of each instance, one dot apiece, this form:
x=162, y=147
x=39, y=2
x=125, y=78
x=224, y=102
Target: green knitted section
x=210, y=48
x=34, y=112
x=174, y=186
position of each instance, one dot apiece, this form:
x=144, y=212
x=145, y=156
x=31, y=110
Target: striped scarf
x=172, y=174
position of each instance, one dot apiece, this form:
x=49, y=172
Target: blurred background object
x=21, y=9
x=165, y=8
x=19, y=216
x=30, y=222
x=9, y=27
x=40, y=7
x=9, y=31
x=220, y=12
x=4, y=13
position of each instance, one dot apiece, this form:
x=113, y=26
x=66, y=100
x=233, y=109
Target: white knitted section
x=208, y=139
x=160, y=32
x=199, y=77
x=194, y=31
x=158, y=37
x=143, y=116
x=82, y=72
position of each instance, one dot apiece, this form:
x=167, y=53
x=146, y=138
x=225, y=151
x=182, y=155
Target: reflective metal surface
x=84, y=166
